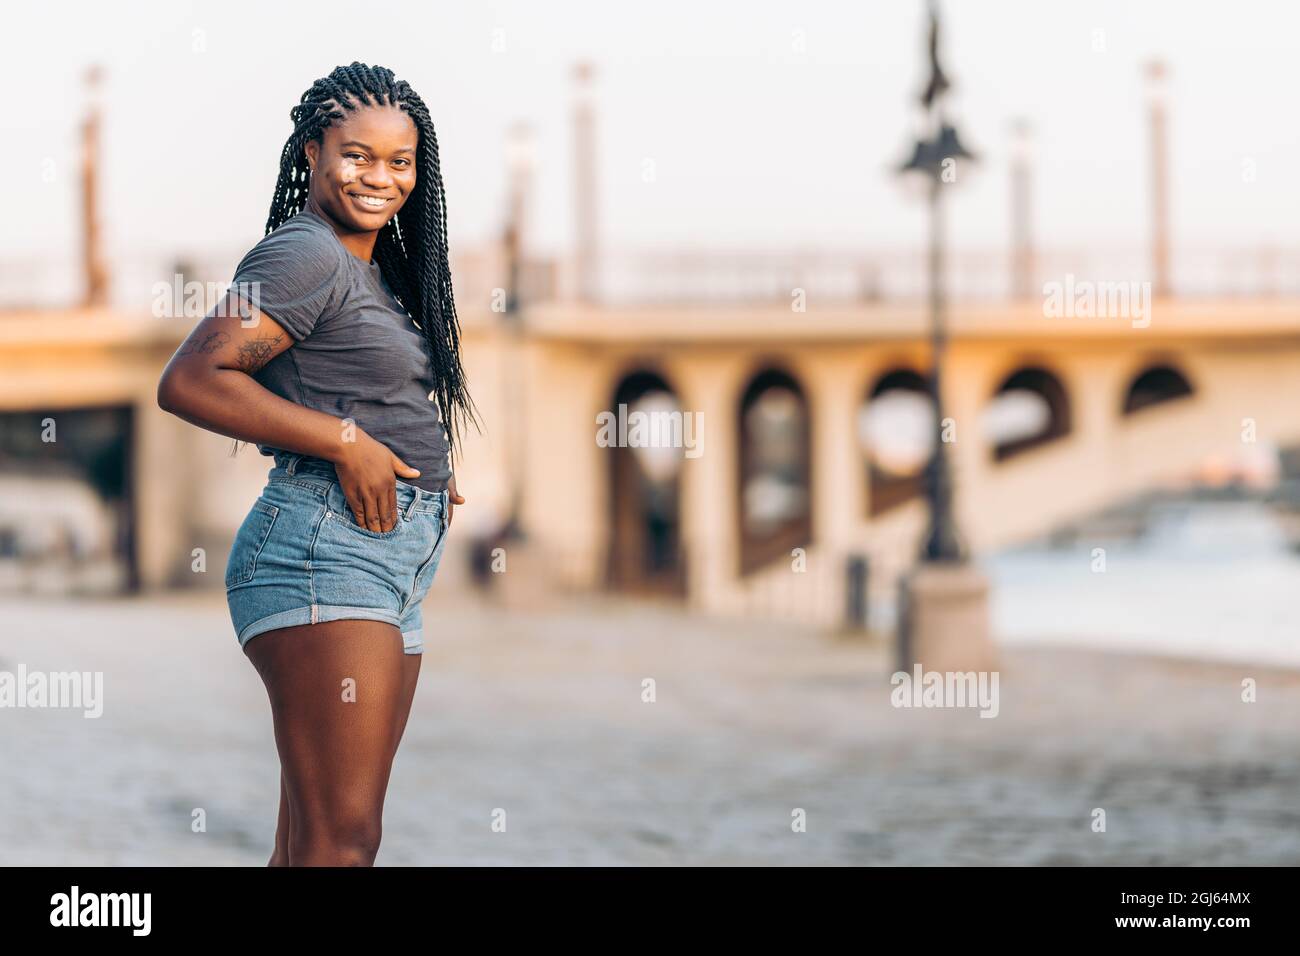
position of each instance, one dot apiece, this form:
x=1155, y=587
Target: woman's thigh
x=339, y=695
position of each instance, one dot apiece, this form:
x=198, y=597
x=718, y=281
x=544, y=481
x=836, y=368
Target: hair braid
x=412, y=248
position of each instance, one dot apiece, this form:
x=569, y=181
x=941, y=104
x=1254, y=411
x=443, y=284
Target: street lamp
x=943, y=602
x=936, y=157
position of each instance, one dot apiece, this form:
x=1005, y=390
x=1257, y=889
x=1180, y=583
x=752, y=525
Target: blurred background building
x=806, y=371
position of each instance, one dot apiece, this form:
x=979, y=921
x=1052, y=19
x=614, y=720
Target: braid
x=412, y=248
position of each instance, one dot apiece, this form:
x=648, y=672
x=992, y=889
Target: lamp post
x=943, y=601
x=936, y=158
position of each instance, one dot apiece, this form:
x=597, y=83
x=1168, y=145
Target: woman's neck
x=360, y=244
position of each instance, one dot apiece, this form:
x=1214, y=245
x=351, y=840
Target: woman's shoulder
x=302, y=241
x=306, y=231
x=296, y=274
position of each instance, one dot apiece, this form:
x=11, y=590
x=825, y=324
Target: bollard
x=855, y=608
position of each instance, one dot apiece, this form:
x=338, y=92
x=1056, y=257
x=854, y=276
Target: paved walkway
x=541, y=714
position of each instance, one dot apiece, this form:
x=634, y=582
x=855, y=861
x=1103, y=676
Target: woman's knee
x=347, y=840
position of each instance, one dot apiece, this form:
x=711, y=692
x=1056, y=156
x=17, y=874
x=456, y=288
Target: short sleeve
x=295, y=275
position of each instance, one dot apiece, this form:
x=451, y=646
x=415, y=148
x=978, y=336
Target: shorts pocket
x=340, y=512
x=249, y=541
x=346, y=519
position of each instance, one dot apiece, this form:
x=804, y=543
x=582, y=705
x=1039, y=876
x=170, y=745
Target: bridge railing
x=701, y=276
x=901, y=276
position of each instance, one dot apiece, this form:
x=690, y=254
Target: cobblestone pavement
x=540, y=713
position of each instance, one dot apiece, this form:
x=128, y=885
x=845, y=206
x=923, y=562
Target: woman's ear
x=312, y=149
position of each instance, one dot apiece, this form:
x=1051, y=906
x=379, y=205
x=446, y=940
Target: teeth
x=373, y=201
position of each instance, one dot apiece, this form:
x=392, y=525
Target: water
x=1215, y=580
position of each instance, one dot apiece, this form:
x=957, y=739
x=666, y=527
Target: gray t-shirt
x=356, y=352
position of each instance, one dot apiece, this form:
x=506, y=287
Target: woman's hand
x=453, y=499
x=368, y=473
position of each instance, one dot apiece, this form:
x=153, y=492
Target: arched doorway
x=1029, y=409
x=1155, y=385
x=896, y=434
x=645, y=548
x=775, y=477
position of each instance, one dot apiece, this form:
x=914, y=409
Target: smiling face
x=363, y=168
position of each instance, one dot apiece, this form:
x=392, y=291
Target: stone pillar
x=166, y=499
x=944, y=624
x=708, y=485
x=835, y=395
x=585, y=190
x=964, y=400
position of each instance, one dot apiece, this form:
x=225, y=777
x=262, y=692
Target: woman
x=334, y=351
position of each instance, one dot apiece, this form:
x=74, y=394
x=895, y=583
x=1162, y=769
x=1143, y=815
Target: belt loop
x=291, y=465
x=410, y=509
x=446, y=502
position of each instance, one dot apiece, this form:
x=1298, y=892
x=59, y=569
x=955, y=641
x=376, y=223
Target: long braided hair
x=411, y=248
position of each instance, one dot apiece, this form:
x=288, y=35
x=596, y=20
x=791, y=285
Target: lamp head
x=928, y=155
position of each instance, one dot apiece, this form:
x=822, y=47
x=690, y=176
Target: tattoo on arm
x=209, y=344
x=255, y=353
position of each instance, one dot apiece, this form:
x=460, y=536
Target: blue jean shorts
x=300, y=557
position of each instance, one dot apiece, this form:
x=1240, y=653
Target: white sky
x=754, y=144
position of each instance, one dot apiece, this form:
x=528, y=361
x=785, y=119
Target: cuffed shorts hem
x=412, y=641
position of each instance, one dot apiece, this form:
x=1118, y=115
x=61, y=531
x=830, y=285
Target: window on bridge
x=1155, y=386
x=896, y=432
x=775, y=474
x=1029, y=409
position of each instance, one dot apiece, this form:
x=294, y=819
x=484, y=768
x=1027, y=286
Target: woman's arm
x=209, y=382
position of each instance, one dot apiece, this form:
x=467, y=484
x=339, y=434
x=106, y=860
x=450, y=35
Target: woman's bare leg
x=340, y=693
x=280, y=855
x=410, y=677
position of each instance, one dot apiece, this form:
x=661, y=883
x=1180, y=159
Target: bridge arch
x=896, y=432
x=645, y=549
x=774, y=473
x=1156, y=384
x=1029, y=409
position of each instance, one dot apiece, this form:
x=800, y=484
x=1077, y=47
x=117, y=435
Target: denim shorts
x=300, y=557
